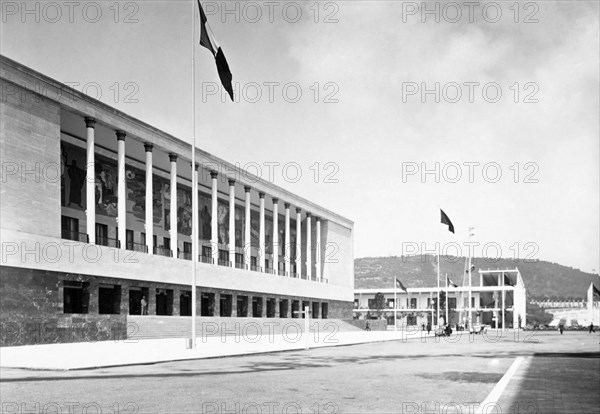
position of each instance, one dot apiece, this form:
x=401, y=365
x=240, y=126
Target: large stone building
x=97, y=213
x=497, y=299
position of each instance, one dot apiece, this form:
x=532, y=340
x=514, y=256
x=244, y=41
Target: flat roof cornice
x=77, y=102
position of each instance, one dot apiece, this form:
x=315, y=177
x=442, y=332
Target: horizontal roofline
x=75, y=101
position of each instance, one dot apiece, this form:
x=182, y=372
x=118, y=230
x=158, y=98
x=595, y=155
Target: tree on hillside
x=379, y=304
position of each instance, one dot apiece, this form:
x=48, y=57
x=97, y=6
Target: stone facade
x=32, y=305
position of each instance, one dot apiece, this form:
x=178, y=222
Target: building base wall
x=33, y=301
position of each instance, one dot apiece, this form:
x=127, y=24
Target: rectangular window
x=75, y=297
x=101, y=234
x=70, y=228
x=129, y=239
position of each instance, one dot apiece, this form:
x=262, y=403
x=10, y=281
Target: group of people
x=591, y=329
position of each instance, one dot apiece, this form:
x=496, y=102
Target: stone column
x=318, y=250
x=90, y=182
x=124, y=305
x=504, y=309
x=214, y=223
x=232, y=222
x=176, y=302
x=287, y=248
x=121, y=190
x=149, y=200
x=299, y=242
x=261, y=233
x=308, y=247
x=247, y=236
x=173, y=215
x=275, y=236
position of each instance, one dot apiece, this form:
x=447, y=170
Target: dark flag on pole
x=207, y=40
x=450, y=282
x=507, y=280
x=446, y=220
x=400, y=285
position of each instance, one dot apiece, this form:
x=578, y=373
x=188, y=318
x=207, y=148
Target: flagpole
x=470, y=309
x=447, y=299
x=395, y=301
x=438, y=282
x=194, y=180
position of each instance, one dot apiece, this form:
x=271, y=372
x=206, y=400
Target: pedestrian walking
x=560, y=328
x=592, y=328
x=367, y=326
x=428, y=327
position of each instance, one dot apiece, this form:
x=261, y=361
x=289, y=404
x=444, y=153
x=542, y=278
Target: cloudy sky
x=513, y=129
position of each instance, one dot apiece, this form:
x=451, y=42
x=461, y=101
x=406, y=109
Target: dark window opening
x=257, y=305
x=271, y=303
x=164, y=301
x=283, y=308
x=324, y=310
x=207, y=304
x=225, y=305
x=109, y=299
x=129, y=239
x=135, y=300
x=76, y=297
x=315, y=310
x=185, y=303
x=101, y=234
x=295, y=309
x=70, y=229
x=242, y=306
x=223, y=258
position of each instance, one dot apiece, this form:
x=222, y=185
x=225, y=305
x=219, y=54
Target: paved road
x=409, y=377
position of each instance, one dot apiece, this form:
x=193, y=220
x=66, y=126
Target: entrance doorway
x=225, y=302
x=207, y=304
x=109, y=299
x=271, y=307
x=283, y=308
x=164, y=301
x=185, y=303
x=242, y=306
x=257, y=304
x=135, y=299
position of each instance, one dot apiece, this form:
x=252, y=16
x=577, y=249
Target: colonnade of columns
x=231, y=248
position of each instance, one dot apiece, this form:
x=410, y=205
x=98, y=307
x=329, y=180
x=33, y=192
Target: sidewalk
x=85, y=355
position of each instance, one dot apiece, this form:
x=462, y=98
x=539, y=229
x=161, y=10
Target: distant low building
x=498, y=299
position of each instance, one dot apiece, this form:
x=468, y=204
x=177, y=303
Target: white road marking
x=491, y=401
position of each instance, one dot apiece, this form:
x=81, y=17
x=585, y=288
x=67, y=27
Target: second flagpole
x=194, y=180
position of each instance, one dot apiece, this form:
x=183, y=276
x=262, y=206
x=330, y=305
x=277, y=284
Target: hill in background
x=543, y=280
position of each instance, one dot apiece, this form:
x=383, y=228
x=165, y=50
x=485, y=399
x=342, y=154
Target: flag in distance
x=400, y=285
x=595, y=290
x=446, y=220
x=450, y=282
x=207, y=40
x=507, y=280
